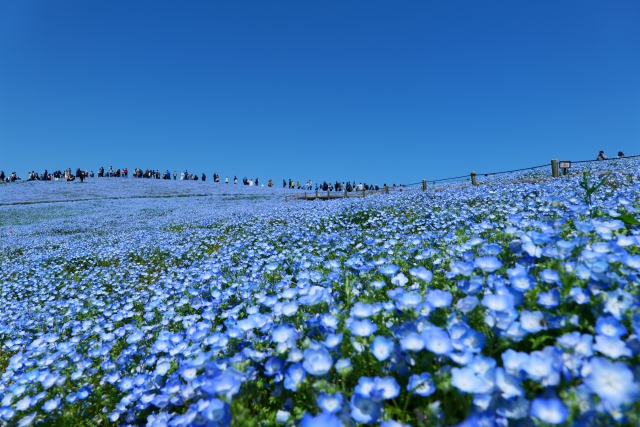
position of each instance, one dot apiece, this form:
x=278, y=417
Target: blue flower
x=437, y=341
x=294, y=376
x=361, y=310
x=437, y=298
x=610, y=326
x=421, y=273
x=532, y=321
x=551, y=411
x=465, y=380
x=579, y=295
x=467, y=304
x=412, y=342
x=363, y=328
x=363, y=409
x=321, y=420
x=421, y=384
x=613, y=382
x=549, y=299
x=389, y=270
x=488, y=264
x=217, y=413
x=331, y=403
x=273, y=366
x=378, y=388
x=382, y=348
x=317, y=361
x=611, y=347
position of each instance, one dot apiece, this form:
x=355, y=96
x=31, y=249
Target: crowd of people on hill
x=337, y=186
x=68, y=175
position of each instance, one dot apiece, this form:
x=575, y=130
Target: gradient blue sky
x=350, y=90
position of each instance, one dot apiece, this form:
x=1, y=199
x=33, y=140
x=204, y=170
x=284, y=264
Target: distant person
x=269, y=184
x=226, y=179
x=235, y=179
x=174, y=175
x=602, y=156
x=204, y=177
x=620, y=154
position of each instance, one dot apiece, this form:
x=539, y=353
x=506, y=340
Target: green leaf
x=627, y=219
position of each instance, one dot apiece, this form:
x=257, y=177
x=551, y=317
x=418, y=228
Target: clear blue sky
x=349, y=90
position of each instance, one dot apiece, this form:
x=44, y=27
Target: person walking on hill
x=602, y=156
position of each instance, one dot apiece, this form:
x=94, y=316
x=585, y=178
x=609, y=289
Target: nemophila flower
x=364, y=410
x=421, y=384
x=324, y=419
x=343, y=365
x=610, y=326
x=412, y=342
x=363, y=328
x=317, y=361
x=488, y=264
x=467, y=304
x=579, y=295
x=521, y=281
x=333, y=340
x=377, y=284
x=273, y=366
x=27, y=419
x=224, y=383
x=389, y=270
x=551, y=411
x=611, y=347
x=407, y=300
x=549, y=276
x=465, y=380
x=378, y=388
x=549, y=299
x=282, y=416
x=462, y=268
x=617, y=302
x=362, y=310
x=399, y=280
x=284, y=334
x=437, y=341
x=498, y=302
x=290, y=308
x=437, y=298
x=509, y=385
x=294, y=375
x=381, y=348
x=330, y=403
x=532, y=321
x=421, y=273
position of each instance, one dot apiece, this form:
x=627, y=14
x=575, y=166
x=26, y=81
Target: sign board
x=564, y=164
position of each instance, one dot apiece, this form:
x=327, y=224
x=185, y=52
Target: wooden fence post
x=328, y=194
x=424, y=185
x=555, y=172
x=305, y=195
x=345, y=194
x=316, y=194
x=474, y=181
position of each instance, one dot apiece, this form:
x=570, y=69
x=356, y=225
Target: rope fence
x=555, y=171
x=473, y=177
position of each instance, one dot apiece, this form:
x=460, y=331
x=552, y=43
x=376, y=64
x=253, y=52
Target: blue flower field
x=164, y=303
